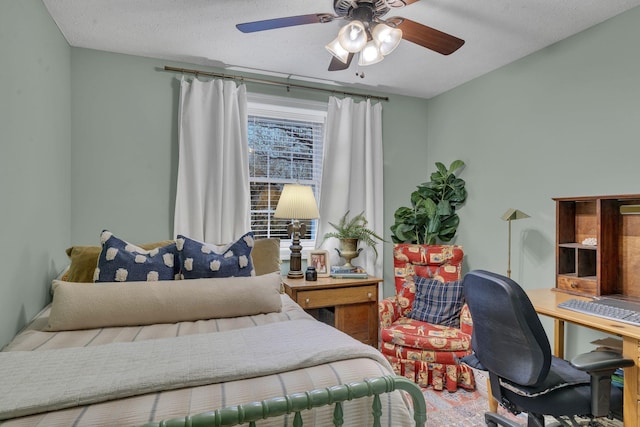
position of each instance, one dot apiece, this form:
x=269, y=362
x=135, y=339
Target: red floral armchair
x=425, y=353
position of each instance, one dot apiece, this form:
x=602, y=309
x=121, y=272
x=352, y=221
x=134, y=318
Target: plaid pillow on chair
x=437, y=302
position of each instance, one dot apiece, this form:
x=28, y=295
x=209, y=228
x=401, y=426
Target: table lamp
x=296, y=202
x=510, y=215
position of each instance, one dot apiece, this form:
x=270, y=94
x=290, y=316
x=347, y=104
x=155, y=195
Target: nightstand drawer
x=337, y=296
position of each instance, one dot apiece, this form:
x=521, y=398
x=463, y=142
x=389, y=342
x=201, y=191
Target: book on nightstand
x=340, y=269
x=349, y=273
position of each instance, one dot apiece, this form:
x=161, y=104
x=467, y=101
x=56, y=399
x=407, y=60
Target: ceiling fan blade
x=400, y=3
x=337, y=65
x=289, y=21
x=427, y=37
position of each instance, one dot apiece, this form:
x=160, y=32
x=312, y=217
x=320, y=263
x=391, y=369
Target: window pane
x=264, y=199
x=281, y=151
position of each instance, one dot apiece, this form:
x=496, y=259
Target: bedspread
x=76, y=376
x=140, y=409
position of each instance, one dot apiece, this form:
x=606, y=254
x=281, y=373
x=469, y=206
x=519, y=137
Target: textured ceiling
x=203, y=32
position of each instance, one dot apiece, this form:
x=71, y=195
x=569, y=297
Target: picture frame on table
x=320, y=260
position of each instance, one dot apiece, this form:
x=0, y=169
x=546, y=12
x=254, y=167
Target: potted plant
x=351, y=231
x=432, y=216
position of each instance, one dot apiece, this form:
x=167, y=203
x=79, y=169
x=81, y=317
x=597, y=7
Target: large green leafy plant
x=432, y=216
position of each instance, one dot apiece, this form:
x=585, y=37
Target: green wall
x=562, y=122
x=35, y=192
x=124, y=147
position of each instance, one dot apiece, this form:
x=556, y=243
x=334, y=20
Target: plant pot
x=348, y=250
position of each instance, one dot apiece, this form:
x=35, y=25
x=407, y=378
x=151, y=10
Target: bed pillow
x=84, y=260
x=266, y=256
x=121, y=261
x=200, y=260
x=100, y=305
x=437, y=302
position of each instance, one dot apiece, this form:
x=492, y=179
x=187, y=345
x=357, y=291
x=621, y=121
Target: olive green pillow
x=84, y=260
x=266, y=256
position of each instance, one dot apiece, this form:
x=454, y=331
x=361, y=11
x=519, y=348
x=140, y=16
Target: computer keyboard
x=605, y=310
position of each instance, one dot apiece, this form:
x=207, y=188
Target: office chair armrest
x=600, y=365
x=596, y=361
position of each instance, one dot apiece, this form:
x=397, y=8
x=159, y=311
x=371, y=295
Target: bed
x=137, y=352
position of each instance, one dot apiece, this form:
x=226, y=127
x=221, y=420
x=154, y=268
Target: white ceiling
x=202, y=32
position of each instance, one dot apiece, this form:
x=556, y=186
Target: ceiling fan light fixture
x=353, y=36
x=388, y=38
x=370, y=54
x=335, y=48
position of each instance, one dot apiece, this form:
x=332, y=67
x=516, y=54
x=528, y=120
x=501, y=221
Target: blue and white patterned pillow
x=437, y=302
x=121, y=261
x=199, y=260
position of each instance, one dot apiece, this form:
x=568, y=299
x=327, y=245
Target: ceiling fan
x=366, y=32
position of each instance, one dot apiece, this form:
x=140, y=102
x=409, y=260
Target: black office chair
x=510, y=343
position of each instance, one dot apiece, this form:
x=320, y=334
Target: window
x=285, y=146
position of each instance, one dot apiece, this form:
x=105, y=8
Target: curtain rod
x=270, y=82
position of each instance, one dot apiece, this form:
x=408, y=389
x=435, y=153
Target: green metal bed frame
x=297, y=402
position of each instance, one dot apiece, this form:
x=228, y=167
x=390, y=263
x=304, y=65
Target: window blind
x=285, y=146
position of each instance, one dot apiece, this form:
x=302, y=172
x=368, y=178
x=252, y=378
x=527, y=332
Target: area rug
x=466, y=409
x=460, y=409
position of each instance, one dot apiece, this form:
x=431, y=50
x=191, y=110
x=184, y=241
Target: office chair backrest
x=508, y=338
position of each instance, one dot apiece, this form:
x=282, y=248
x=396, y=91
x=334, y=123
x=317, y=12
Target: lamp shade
x=353, y=36
x=370, y=54
x=336, y=49
x=297, y=202
x=512, y=214
x=388, y=38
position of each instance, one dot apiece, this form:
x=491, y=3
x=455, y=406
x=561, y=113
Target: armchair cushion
x=414, y=335
x=442, y=262
x=437, y=302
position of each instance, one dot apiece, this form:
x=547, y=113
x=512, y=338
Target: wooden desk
x=545, y=301
x=352, y=303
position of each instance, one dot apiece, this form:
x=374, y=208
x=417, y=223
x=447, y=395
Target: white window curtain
x=352, y=174
x=212, y=196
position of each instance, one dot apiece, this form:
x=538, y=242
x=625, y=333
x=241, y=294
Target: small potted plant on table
x=350, y=232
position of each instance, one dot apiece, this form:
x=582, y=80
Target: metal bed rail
x=297, y=402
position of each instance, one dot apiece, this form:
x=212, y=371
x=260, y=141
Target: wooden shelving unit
x=610, y=266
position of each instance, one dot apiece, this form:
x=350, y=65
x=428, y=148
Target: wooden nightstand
x=351, y=305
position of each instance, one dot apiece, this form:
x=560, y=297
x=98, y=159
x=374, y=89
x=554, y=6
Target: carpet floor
x=460, y=409
x=466, y=409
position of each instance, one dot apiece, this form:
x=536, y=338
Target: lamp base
x=295, y=260
x=295, y=274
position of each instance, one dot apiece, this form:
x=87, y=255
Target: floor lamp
x=510, y=215
x=296, y=202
